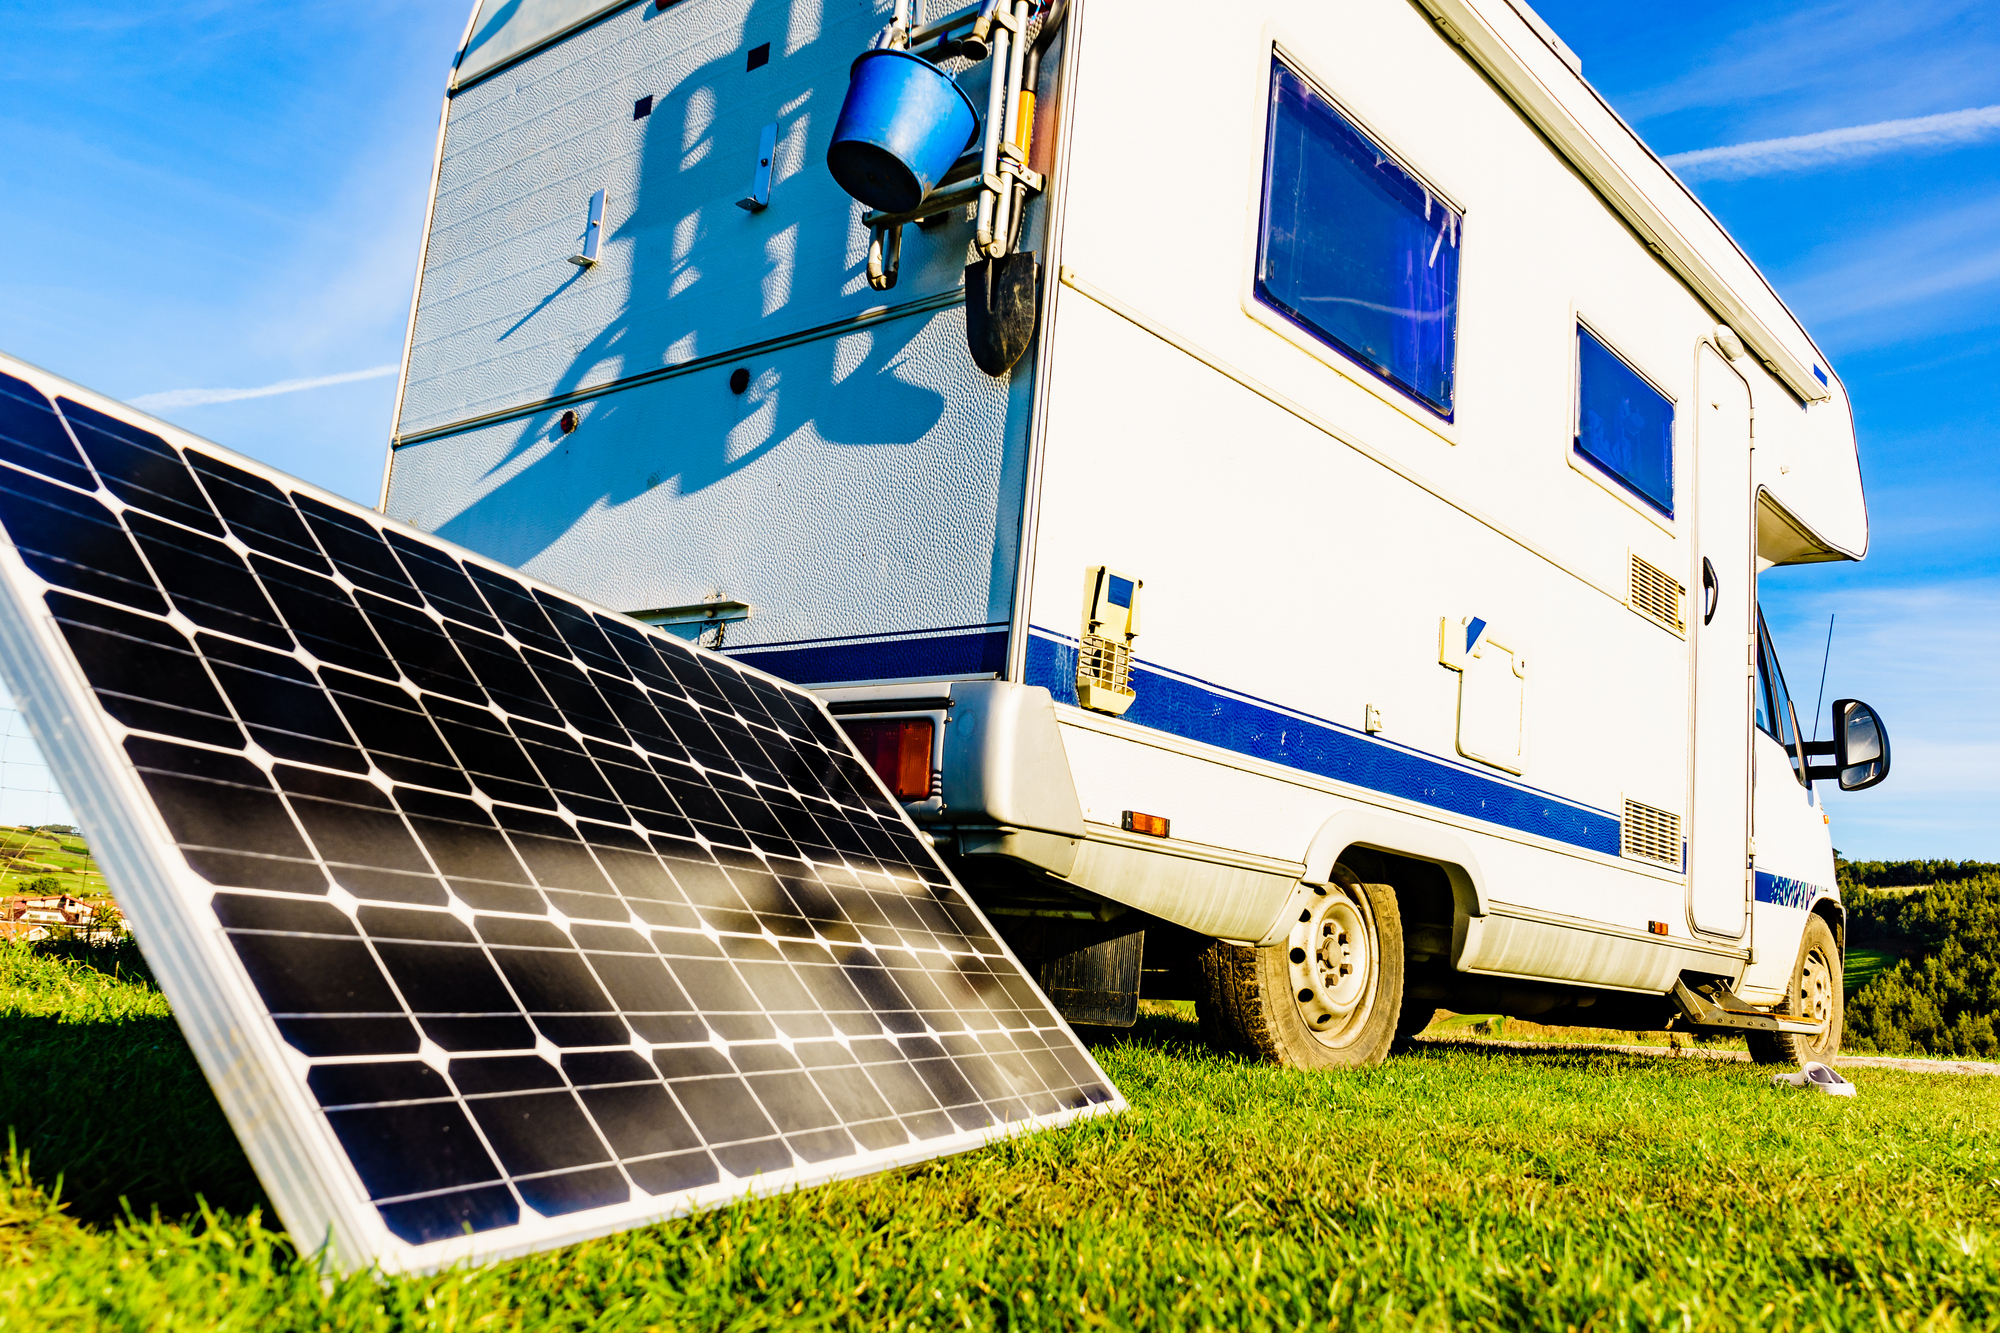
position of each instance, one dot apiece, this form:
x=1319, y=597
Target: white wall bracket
x=593, y=232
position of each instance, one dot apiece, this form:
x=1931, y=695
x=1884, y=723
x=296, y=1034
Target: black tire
x=1817, y=993
x=1416, y=1017
x=1334, y=1006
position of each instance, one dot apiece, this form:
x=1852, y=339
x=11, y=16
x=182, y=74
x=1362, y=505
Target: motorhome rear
x=1344, y=607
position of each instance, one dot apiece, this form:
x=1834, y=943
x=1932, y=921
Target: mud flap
x=1001, y=303
x=1098, y=984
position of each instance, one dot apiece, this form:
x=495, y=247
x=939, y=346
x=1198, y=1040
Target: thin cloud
x=1832, y=56
x=172, y=398
x=1804, y=152
x=1931, y=273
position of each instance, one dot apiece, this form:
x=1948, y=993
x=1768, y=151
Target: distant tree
x=1908, y=874
x=46, y=886
x=110, y=924
x=1943, y=998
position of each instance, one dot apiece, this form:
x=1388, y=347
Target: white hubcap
x=1332, y=962
x=1816, y=988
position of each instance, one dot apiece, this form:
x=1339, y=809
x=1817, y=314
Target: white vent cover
x=1656, y=595
x=1650, y=835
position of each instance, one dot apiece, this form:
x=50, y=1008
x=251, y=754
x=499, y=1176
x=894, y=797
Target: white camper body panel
x=1309, y=536
x=1302, y=527
x=865, y=483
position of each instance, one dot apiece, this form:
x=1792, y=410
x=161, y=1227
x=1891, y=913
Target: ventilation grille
x=1656, y=596
x=1651, y=835
x=1104, y=662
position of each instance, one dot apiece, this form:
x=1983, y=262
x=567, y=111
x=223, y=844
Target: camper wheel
x=1816, y=994
x=1326, y=997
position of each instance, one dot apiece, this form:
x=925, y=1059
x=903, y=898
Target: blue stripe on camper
x=965, y=650
x=1786, y=891
x=1184, y=706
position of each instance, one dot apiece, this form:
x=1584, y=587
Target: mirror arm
x=1818, y=748
x=1823, y=773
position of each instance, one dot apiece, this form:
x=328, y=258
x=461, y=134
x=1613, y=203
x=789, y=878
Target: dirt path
x=1968, y=1067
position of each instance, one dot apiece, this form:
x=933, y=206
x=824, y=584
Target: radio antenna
x=1824, y=659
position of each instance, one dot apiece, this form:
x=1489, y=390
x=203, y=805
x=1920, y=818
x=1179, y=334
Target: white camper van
x=1283, y=506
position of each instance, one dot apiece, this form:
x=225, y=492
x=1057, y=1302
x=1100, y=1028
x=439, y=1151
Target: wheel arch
x=1398, y=835
x=1835, y=913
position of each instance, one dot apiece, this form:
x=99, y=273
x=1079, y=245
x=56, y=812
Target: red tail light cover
x=898, y=748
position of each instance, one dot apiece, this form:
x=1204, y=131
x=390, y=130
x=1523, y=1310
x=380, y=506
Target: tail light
x=899, y=748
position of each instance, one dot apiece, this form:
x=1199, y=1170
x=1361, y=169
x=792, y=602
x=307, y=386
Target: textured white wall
x=863, y=484
x=504, y=319
x=868, y=482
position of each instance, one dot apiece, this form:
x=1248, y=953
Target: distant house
x=54, y=910
x=22, y=932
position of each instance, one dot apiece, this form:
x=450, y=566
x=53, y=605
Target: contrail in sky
x=1802, y=152
x=171, y=398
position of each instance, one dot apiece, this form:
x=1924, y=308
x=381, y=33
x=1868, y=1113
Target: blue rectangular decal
x=1121, y=592
x=971, y=650
x=1785, y=891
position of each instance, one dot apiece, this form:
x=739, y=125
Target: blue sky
x=222, y=195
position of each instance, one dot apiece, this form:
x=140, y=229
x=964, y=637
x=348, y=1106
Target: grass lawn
x=1864, y=965
x=1450, y=1187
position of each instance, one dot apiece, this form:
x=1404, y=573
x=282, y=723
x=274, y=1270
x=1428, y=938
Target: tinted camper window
x=1623, y=424
x=1355, y=249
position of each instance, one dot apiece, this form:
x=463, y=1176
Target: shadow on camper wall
x=702, y=273
x=692, y=436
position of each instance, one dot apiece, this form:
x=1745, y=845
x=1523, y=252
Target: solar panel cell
x=145, y=672
x=139, y=467
x=258, y=513
x=518, y=610
x=444, y=1216
x=498, y=667
x=357, y=549
x=443, y=582
x=324, y=617
x=421, y=648
x=364, y=1084
x=413, y=1149
x=72, y=541
x=283, y=704
x=578, y=630
x=32, y=437
x=207, y=582
x=398, y=735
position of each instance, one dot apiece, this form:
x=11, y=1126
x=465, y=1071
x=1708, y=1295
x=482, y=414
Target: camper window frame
x=1584, y=465
x=1273, y=49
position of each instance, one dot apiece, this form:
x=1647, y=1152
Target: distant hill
x=1934, y=927
x=52, y=858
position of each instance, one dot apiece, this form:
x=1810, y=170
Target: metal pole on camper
x=989, y=158
x=1010, y=152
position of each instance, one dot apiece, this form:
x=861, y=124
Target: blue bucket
x=902, y=126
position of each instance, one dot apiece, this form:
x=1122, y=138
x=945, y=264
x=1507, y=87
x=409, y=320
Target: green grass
x=97, y=1086
x=1864, y=965
x=1450, y=1188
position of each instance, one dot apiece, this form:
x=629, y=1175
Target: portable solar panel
x=496, y=920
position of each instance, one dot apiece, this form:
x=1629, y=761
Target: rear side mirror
x=1859, y=748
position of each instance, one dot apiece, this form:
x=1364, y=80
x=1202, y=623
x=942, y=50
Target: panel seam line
x=866, y=318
